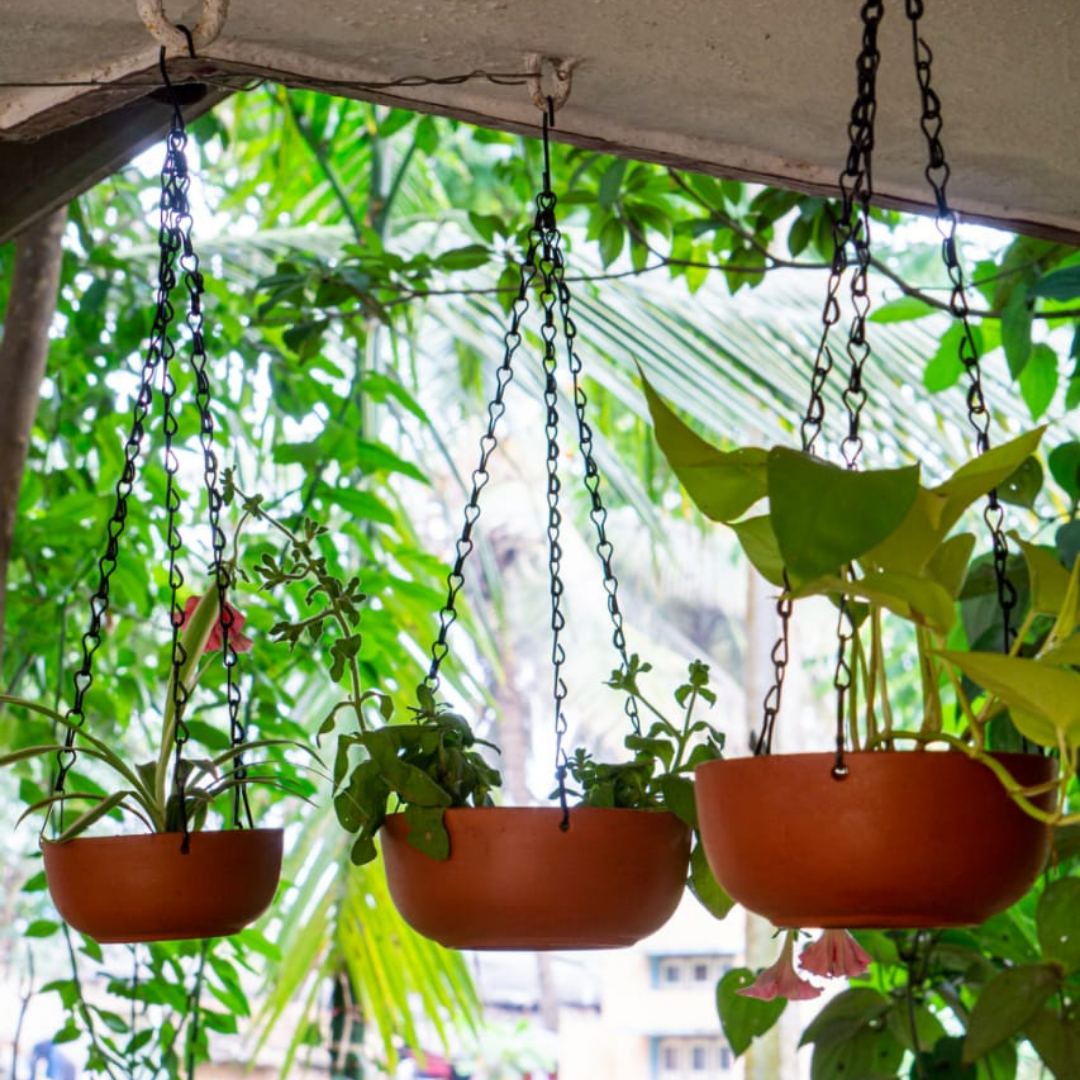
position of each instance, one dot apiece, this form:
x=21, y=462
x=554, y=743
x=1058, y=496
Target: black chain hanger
x=543, y=271
x=176, y=252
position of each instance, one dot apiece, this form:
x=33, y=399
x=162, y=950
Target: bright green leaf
x=705, y=887
x=825, y=516
x=1051, y=694
x=1039, y=380
x=743, y=1018
x=722, y=485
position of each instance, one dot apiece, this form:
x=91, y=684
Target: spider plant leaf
x=95, y=813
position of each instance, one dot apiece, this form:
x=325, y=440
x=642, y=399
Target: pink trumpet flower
x=836, y=954
x=240, y=642
x=781, y=980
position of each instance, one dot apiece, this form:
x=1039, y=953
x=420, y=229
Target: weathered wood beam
x=37, y=177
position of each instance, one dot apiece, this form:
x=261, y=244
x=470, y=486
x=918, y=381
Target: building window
x=684, y=1057
x=671, y=972
x=701, y=971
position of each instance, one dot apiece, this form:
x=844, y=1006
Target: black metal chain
x=852, y=226
x=488, y=442
x=550, y=257
x=597, y=511
x=159, y=351
x=544, y=258
x=175, y=248
x=849, y=227
x=780, y=656
x=193, y=280
x=937, y=175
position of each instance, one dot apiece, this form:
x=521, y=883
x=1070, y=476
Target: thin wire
x=497, y=78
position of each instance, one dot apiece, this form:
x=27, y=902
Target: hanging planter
x=472, y=875
x=178, y=882
x=515, y=879
x=906, y=840
x=146, y=888
x=869, y=835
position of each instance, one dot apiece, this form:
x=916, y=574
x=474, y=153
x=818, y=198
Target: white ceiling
x=757, y=88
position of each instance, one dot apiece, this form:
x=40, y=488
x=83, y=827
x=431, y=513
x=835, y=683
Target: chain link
x=849, y=227
x=488, y=442
x=780, y=656
x=597, y=512
x=937, y=174
x=175, y=249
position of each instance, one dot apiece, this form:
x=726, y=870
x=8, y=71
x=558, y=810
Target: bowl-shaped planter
x=515, y=880
x=143, y=888
x=908, y=839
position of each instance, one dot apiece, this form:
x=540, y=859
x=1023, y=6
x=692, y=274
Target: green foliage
x=660, y=774
x=744, y=1018
x=422, y=768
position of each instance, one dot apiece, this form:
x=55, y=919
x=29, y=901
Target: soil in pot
x=515, y=880
x=908, y=839
x=143, y=888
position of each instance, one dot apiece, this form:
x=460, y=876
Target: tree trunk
x=24, y=350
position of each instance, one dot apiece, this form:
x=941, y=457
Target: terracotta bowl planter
x=515, y=880
x=908, y=839
x=141, y=888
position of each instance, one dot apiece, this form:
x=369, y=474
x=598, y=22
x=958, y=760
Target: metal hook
x=561, y=69
x=179, y=39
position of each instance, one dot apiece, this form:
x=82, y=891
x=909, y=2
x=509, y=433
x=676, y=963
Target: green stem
x=82, y=1009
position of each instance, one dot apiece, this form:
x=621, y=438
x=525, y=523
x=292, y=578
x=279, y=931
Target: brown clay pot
x=515, y=880
x=908, y=839
x=143, y=888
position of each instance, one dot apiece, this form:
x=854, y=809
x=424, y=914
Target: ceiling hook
x=176, y=39
x=548, y=100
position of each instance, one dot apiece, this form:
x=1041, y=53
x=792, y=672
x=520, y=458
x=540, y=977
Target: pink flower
x=834, y=955
x=240, y=642
x=781, y=980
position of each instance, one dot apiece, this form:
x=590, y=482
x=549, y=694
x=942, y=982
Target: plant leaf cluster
x=659, y=776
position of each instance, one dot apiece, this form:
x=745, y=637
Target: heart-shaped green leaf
x=743, y=1018
x=1050, y=694
x=722, y=485
x=824, y=516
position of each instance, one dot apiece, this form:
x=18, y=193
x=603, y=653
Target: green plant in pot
x=863, y=836
x=470, y=873
x=179, y=878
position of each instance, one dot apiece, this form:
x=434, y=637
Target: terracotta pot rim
x=156, y=837
x=918, y=754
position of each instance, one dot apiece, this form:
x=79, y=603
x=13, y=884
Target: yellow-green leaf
x=722, y=485
x=1051, y=694
x=758, y=541
x=1049, y=579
